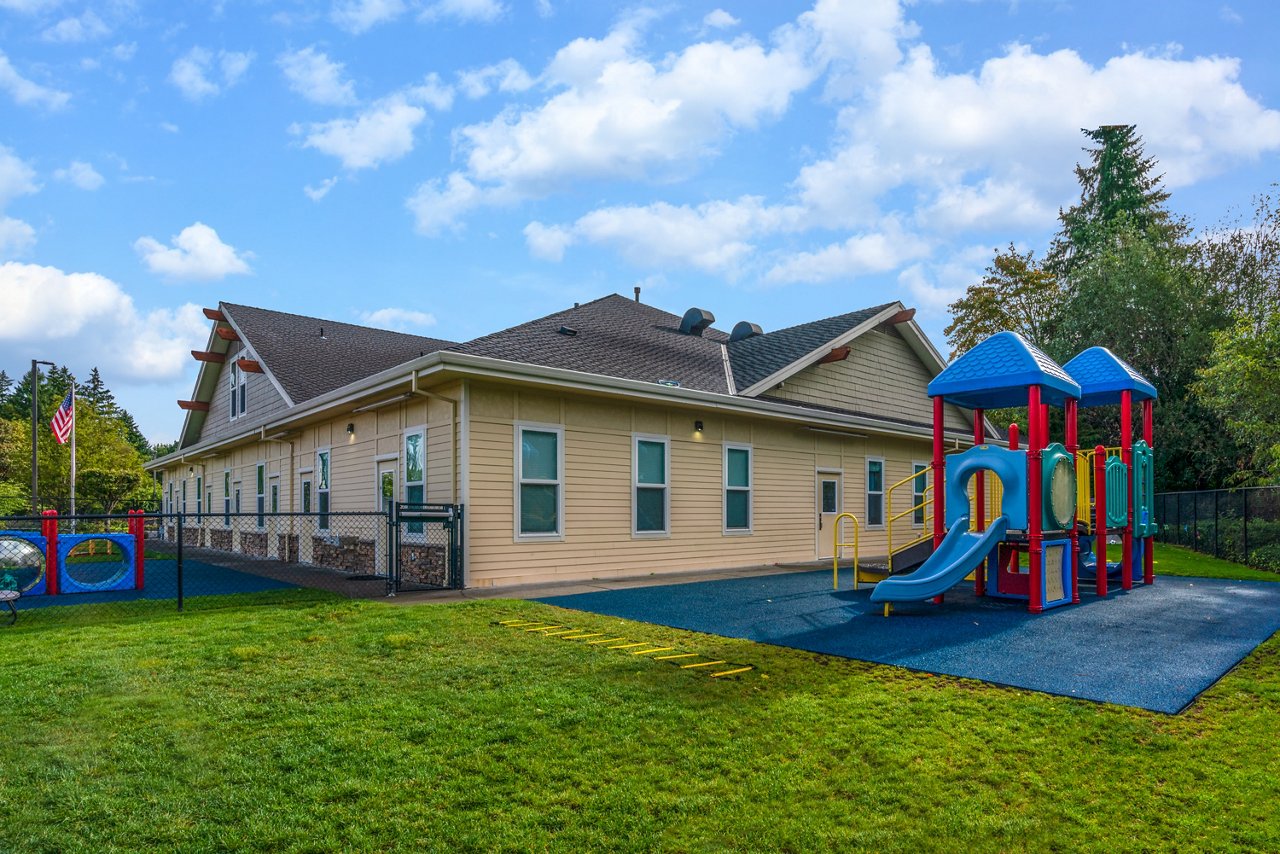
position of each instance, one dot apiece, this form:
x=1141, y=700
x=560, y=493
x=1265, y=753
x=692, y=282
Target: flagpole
x=73, y=453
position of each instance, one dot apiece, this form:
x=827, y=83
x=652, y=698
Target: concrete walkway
x=597, y=585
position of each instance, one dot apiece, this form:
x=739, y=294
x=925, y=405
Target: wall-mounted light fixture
x=351, y=429
x=697, y=426
x=191, y=471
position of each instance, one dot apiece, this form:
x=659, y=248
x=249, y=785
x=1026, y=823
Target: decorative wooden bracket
x=251, y=366
x=902, y=316
x=209, y=356
x=226, y=333
x=837, y=354
x=194, y=405
x=214, y=314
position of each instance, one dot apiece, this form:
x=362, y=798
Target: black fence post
x=1244, y=515
x=1216, y=494
x=181, y=524
x=393, y=547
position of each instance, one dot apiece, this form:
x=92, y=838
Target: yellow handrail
x=888, y=498
x=835, y=561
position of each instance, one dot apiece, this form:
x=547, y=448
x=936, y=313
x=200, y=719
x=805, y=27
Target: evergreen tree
x=1117, y=184
x=97, y=395
x=6, y=386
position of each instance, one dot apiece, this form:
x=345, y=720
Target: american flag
x=63, y=420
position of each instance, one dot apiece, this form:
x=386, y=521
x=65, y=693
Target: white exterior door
x=387, y=486
x=828, y=504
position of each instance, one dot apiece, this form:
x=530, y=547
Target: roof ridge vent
x=743, y=330
x=696, y=321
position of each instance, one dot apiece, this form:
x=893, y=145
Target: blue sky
x=452, y=167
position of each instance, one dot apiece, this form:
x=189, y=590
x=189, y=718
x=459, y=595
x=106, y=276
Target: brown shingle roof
x=307, y=365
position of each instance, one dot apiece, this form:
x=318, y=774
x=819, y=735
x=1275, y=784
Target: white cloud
x=398, y=319
x=80, y=174
x=933, y=286
x=197, y=253
x=16, y=237
x=170, y=127
x=124, y=52
x=990, y=205
x=858, y=41
x=85, y=27
x=438, y=205
x=1231, y=16
x=862, y=254
x=622, y=116
x=317, y=78
x=87, y=319
x=545, y=9
x=26, y=92
x=194, y=72
x=432, y=91
x=382, y=133
x=17, y=178
x=358, y=16
x=719, y=19
x=477, y=11
x=507, y=76
x=714, y=237
x=315, y=194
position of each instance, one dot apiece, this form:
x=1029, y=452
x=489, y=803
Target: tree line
x=1198, y=314
x=109, y=455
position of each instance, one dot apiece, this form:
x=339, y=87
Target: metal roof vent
x=567, y=330
x=743, y=330
x=695, y=321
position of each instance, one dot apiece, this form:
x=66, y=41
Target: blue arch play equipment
x=22, y=565
x=1009, y=466
x=112, y=572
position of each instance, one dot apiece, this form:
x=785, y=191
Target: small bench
x=8, y=597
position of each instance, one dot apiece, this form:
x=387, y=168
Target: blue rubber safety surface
x=161, y=582
x=1153, y=647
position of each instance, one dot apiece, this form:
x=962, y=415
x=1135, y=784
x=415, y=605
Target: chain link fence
x=1240, y=525
x=80, y=568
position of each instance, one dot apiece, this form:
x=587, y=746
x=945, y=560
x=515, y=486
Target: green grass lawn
x=362, y=726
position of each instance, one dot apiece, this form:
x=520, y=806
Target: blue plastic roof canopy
x=999, y=371
x=1103, y=375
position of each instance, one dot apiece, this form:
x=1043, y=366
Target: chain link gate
x=427, y=553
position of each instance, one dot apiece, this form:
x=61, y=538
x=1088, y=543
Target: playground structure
x=52, y=563
x=1051, y=498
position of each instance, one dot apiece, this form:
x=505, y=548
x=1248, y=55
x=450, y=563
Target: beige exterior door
x=828, y=504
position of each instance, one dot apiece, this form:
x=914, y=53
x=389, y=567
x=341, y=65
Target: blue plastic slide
x=959, y=554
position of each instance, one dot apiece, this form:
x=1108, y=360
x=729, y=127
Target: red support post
x=1100, y=512
x=1035, y=441
x=1149, y=551
x=980, y=493
x=1126, y=454
x=49, y=529
x=939, y=475
x=1013, y=437
x=139, y=547
x=1073, y=439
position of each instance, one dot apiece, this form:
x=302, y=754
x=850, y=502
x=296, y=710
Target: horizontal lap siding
x=882, y=376
x=262, y=405
x=598, y=489
x=353, y=460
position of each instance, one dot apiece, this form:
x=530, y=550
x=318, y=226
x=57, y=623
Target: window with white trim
x=918, y=486
x=237, y=385
x=183, y=508
x=306, y=496
x=415, y=475
x=650, y=477
x=875, y=492
x=169, y=501
x=322, y=489
x=275, y=496
x=539, y=482
x=199, y=499
x=237, y=491
x=226, y=497
x=737, y=489
x=260, y=504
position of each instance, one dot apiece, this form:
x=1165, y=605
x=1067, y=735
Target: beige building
x=608, y=439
